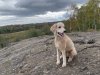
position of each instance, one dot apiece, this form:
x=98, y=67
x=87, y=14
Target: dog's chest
x=60, y=44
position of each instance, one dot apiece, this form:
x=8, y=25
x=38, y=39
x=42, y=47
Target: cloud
x=3, y=18
x=48, y=17
x=47, y=10
x=33, y=7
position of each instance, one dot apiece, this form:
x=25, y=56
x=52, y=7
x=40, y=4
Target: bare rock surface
x=37, y=56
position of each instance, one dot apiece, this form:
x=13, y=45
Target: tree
x=87, y=17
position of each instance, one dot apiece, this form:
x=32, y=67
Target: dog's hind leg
x=72, y=53
x=67, y=55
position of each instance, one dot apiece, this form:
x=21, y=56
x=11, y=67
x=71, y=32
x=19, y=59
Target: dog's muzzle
x=61, y=34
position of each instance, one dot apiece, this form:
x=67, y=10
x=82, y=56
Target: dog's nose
x=65, y=31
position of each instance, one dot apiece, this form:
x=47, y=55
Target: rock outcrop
x=37, y=56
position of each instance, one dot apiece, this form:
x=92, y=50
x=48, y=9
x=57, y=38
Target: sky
x=36, y=11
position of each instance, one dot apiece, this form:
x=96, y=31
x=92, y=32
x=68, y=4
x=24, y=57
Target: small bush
x=46, y=30
x=90, y=30
x=3, y=44
x=34, y=33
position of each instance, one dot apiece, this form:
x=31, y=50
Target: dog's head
x=58, y=28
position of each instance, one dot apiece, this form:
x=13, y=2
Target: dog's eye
x=59, y=27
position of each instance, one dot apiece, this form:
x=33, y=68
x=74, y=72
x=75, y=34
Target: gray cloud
x=34, y=7
x=41, y=6
x=28, y=11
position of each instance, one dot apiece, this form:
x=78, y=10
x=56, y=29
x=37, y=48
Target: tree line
x=86, y=18
x=23, y=27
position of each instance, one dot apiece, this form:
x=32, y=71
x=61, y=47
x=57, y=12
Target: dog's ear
x=53, y=28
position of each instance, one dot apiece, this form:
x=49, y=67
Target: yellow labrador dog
x=63, y=44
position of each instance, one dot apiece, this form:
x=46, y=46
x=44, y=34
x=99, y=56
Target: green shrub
x=34, y=33
x=46, y=30
x=2, y=42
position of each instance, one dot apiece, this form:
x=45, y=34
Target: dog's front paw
x=58, y=62
x=70, y=59
x=61, y=56
x=63, y=65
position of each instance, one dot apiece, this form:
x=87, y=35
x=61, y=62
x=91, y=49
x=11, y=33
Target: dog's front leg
x=64, y=58
x=58, y=58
